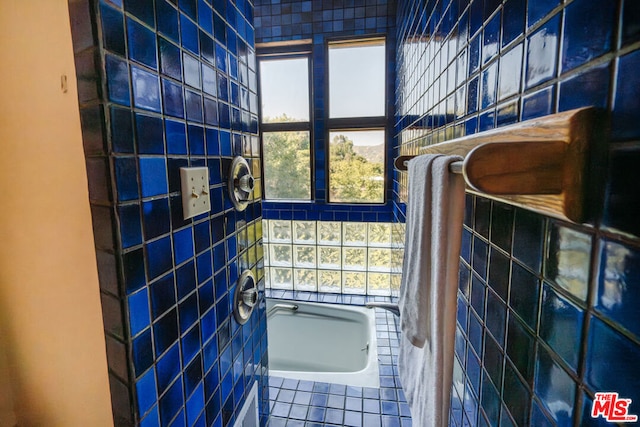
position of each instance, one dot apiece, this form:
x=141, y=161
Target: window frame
x=305, y=48
x=360, y=123
x=281, y=52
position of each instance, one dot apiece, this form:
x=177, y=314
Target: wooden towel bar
x=539, y=164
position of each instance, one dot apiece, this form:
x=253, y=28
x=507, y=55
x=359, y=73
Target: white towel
x=428, y=292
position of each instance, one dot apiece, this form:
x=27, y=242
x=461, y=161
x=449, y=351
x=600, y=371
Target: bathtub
x=322, y=342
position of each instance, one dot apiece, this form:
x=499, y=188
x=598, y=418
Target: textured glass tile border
x=309, y=403
x=346, y=257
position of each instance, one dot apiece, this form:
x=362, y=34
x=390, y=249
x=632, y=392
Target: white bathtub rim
x=367, y=377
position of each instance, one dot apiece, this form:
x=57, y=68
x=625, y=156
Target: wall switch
x=194, y=184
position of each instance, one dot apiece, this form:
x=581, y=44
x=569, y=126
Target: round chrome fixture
x=245, y=297
x=240, y=183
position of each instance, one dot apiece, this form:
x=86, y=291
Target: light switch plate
x=194, y=184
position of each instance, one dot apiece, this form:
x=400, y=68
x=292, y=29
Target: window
x=356, y=79
x=356, y=166
x=284, y=84
x=355, y=119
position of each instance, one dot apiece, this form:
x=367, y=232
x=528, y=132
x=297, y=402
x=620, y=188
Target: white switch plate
x=194, y=184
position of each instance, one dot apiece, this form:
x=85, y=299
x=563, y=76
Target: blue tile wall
x=159, y=88
x=546, y=313
x=320, y=21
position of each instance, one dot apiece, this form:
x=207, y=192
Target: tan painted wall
x=51, y=336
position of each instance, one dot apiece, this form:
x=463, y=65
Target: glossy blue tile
x=186, y=279
x=121, y=130
x=146, y=90
x=474, y=54
x=590, y=88
x=207, y=298
x=189, y=7
x=167, y=17
x=491, y=38
x=478, y=293
x=538, y=104
x=542, y=53
x=568, y=258
x=142, y=352
x=487, y=120
x=513, y=13
x=516, y=396
x=630, y=22
x=555, y=388
x=490, y=400
x=618, y=292
x=149, y=134
x=588, y=31
x=190, y=347
x=176, y=135
x=472, y=101
x=204, y=266
x=141, y=9
x=189, y=33
x=221, y=58
x=130, y=225
x=480, y=257
x=125, y=171
x=171, y=403
x=172, y=99
x=151, y=419
x=188, y=312
x=622, y=197
x=196, y=140
x=163, y=296
x=225, y=122
x=496, y=317
x=138, y=311
x=209, y=80
x=205, y=16
x=510, y=72
x=156, y=218
x=170, y=59
x=117, y=80
x=493, y=360
x=173, y=171
x=219, y=29
x=153, y=176
x=191, y=71
x=611, y=363
x=523, y=299
x=183, y=245
x=520, y=348
x=146, y=391
x=625, y=118
x=112, y=21
x=195, y=405
x=165, y=332
x=142, y=44
x=133, y=266
x=475, y=334
x=210, y=112
x=193, y=106
x=168, y=367
x=159, y=259
x=507, y=114
x=527, y=239
x=538, y=9
x=207, y=47
x=561, y=325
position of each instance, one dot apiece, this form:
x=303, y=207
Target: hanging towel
x=428, y=291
